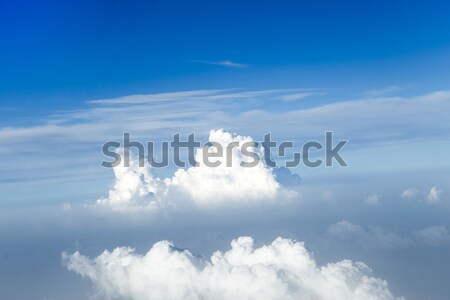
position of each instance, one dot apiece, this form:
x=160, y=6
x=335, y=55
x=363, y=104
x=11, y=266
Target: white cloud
x=433, y=236
x=67, y=207
x=203, y=186
x=410, y=193
x=434, y=196
x=299, y=96
x=160, y=97
x=345, y=229
x=282, y=270
x=225, y=63
x=134, y=187
x=160, y=115
x=223, y=183
x=372, y=199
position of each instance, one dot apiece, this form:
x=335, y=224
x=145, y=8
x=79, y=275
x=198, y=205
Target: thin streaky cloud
x=85, y=128
x=158, y=97
x=204, y=95
x=390, y=90
x=225, y=63
x=299, y=96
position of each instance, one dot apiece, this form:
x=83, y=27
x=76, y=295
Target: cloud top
x=434, y=196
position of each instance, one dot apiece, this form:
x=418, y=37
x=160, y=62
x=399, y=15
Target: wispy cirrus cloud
x=160, y=115
x=225, y=63
x=302, y=95
x=384, y=91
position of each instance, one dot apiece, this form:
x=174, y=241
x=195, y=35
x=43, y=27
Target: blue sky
x=57, y=55
x=76, y=74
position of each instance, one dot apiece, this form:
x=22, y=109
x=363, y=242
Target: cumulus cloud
x=372, y=199
x=410, y=193
x=202, y=185
x=134, y=186
x=345, y=229
x=434, y=196
x=282, y=270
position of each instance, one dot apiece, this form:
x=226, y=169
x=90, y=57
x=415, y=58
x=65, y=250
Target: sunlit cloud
x=283, y=269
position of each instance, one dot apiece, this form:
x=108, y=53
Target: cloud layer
x=380, y=238
x=282, y=270
x=372, y=236
x=418, y=119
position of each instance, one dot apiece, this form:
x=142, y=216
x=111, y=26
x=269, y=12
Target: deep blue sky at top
x=56, y=55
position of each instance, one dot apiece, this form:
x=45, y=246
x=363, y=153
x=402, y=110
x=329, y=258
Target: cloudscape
x=224, y=150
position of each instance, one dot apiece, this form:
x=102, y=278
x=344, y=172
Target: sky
x=76, y=74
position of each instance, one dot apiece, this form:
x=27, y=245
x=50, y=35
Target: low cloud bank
x=282, y=270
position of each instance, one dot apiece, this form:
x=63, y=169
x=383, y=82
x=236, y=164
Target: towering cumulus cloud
x=203, y=185
x=282, y=270
x=226, y=183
